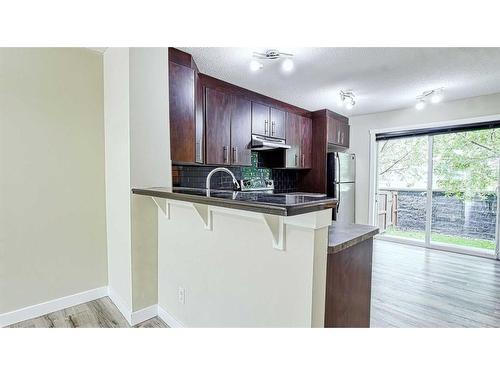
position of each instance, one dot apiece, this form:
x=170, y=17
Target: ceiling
x=383, y=79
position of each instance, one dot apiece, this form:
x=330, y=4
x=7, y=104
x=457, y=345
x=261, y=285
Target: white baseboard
x=132, y=317
x=48, y=307
x=169, y=319
x=125, y=310
x=142, y=315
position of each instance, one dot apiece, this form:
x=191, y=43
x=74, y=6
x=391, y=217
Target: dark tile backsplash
x=195, y=176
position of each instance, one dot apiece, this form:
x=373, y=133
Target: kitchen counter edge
x=265, y=208
x=344, y=236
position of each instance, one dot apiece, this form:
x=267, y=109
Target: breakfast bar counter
x=263, y=202
x=256, y=259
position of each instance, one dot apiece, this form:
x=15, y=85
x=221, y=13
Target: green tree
x=402, y=163
x=465, y=164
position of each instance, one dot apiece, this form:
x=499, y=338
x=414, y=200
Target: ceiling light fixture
x=435, y=96
x=347, y=99
x=272, y=54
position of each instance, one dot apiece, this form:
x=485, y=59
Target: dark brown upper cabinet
x=228, y=124
x=218, y=127
x=182, y=113
x=277, y=128
x=326, y=130
x=338, y=131
x=260, y=119
x=292, y=158
x=299, y=137
x=241, y=131
x=305, y=142
x=185, y=108
x=268, y=121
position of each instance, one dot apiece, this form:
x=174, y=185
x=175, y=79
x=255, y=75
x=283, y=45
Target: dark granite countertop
x=342, y=236
x=275, y=204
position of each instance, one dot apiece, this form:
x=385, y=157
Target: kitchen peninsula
x=230, y=260
x=253, y=246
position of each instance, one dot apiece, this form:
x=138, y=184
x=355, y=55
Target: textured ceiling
x=383, y=79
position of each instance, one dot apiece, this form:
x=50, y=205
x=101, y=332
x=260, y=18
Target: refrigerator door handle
x=338, y=196
x=337, y=177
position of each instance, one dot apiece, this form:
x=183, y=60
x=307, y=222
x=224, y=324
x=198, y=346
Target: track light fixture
x=347, y=99
x=287, y=64
x=434, y=96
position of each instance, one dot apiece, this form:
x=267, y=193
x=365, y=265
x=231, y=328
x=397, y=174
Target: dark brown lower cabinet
x=348, y=286
x=217, y=127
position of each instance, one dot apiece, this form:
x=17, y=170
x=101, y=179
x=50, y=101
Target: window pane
x=402, y=184
x=464, y=198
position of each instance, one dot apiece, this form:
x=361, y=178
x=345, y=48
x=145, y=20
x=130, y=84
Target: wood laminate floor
x=101, y=313
x=417, y=287
x=411, y=287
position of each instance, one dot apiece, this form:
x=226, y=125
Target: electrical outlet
x=182, y=295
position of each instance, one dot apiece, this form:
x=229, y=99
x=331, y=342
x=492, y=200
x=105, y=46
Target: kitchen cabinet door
x=241, y=131
x=182, y=113
x=338, y=132
x=305, y=142
x=293, y=135
x=217, y=126
x=260, y=119
x=332, y=130
x=277, y=128
x=344, y=135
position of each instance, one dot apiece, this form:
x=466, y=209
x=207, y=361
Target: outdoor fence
x=405, y=209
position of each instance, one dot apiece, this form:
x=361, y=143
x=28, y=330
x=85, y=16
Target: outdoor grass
x=443, y=238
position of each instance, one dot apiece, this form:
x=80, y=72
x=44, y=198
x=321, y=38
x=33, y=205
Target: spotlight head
x=420, y=104
x=287, y=65
x=255, y=65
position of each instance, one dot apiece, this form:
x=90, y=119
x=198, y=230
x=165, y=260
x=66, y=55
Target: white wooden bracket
x=205, y=213
x=163, y=205
x=276, y=226
x=274, y=223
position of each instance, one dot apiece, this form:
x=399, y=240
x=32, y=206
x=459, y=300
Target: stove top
x=257, y=184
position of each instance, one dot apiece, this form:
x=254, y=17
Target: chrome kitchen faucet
x=221, y=169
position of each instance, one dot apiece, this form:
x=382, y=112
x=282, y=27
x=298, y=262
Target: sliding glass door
x=464, y=189
x=440, y=190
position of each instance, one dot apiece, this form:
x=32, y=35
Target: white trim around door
x=372, y=199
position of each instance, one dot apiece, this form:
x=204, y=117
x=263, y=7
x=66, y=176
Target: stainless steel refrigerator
x=341, y=184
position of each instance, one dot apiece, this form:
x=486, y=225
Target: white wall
x=117, y=130
x=52, y=194
x=137, y=154
x=447, y=111
x=232, y=275
x=149, y=164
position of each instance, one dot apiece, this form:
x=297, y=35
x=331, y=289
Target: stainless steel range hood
x=261, y=143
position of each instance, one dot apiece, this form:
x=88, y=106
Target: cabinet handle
x=265, y=126
x=235, y=154
x=338, y=136
x=342, y=141
x=295, y=159
x=303, y=160
x=224, y=155
x=273, y=125
x=199, y=151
